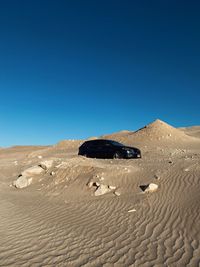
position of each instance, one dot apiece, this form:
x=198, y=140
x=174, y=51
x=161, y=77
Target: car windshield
x=116, y=143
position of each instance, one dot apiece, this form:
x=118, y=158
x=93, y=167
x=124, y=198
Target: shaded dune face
x=59, y=221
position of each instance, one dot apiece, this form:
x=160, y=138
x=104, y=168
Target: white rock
x=101, y=190
x=35, y=170
x=90, y=184
x=112, y=187
x=186, y=170
x=149, y=188
x=52, y=173
x=132, y=210
x=117, y=193
x=97, y=184
x=39, y=157
x=22, y=182
x=47, y=164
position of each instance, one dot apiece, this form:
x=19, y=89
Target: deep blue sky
x=74, y=69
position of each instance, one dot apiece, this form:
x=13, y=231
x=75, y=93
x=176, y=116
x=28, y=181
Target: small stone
x=112, y=187
x=186, y=170
x=132, y=210
x=117, y=193
x=52, y=173
x=156, y=176
x=90, y=184
x=39, y=157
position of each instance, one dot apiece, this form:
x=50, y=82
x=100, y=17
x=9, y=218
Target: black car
x=102, y=148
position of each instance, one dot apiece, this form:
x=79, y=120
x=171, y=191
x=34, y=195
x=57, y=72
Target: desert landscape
x=61, y=209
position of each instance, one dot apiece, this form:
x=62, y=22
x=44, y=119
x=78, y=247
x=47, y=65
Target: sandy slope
x=192, y=131
x=57, y=221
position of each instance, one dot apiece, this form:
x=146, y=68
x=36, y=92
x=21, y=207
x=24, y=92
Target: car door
x=99, y=149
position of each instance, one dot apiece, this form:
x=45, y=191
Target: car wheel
x=117, y=155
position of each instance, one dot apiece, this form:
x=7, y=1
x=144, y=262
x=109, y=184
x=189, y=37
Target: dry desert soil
x=60, y=220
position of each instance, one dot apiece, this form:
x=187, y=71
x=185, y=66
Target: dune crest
x=160, y=130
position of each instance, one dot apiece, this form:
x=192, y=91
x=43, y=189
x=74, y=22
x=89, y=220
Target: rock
x=47, y=164
x=39, y=157
x=111, y=187
x=90, y=183
x=52, y=173
x=186, y=170
x=101, y=190
x=117, y=193
x=156, y=176
x=35, y=170
x=149, y=188
x=22, y=182
x=132, y=210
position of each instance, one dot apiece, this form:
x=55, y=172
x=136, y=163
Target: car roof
x=97, y=140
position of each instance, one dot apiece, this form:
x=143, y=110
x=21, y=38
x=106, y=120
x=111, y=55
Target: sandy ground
x=58, y=221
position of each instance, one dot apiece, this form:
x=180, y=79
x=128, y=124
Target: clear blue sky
x=74, y=69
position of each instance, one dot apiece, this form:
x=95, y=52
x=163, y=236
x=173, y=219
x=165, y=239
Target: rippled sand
x=57, y=221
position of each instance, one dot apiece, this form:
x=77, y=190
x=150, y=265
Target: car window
x=116, y=143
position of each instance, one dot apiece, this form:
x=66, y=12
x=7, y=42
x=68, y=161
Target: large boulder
x=35, y=170
x=47, y=164
x=22, y=182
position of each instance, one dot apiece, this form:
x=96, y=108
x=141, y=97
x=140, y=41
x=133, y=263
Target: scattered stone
x=22, y=182
x=39, y=157
x=132, y=210
x=111, y=187
x=16, y=162
x=186, y=170
x=90, y=184
x=156, y=176
x=47, y=164
x=35, y=170
x=127, y=169
x=102, y=179
x=101, y=190
x=149, y=188
x=117, y=193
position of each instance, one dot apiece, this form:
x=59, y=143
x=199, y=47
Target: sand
x=58, y=220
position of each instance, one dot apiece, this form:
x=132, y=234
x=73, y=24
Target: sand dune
x=193, y=131
x=157, y=132
x=58, y=220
